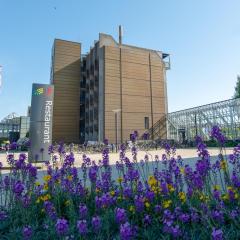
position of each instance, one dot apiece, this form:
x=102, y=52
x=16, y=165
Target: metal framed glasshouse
x=184, y=125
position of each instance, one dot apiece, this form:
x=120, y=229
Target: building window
x=146, y=122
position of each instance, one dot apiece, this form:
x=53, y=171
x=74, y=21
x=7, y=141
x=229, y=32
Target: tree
x=237, y=88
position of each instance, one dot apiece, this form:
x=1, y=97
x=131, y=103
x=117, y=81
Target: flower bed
x=165, y=199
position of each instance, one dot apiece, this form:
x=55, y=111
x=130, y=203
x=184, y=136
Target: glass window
x=146, y=122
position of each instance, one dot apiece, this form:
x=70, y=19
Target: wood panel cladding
x=66, y=79
x=143, y=92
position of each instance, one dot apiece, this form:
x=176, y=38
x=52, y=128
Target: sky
x=202, y=37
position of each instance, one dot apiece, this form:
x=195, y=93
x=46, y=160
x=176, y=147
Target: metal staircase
x=159, y=131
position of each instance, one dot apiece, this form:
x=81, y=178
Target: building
x=13, y=127
x=184, y=125
x=107, y=93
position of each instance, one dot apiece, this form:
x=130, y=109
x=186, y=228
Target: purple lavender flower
x=127, y=192
x=13, y=146
x=145, y=136
x=168, y=218
x=217, y=216
x=93, y=173
x=216, y=194
x=147, y=220
x=106, y=200
x=175, y=231
x=10, y=159
x=121, y=216
x=50, y=209
x=96, y=223
x=133, y=136
x=61, y=148
x=132, y=174
x=184, y=218
x=139, y=203
x=218, y=135
x=69, y=160
x=83, y=211
x=235, y=180
x=27, y=232
x=157, y=209
x=18, y=188
x=126, y=231
x=233, y=214
x=32, y=170
x=61, y=226
x=105, y=142
x=98, y=202
x=82, y=227
x=217, y=234
x=194, y=216
x=189, y=191
x=150, y=195
x=26, y=200
x=3, y=215
x=51, y=149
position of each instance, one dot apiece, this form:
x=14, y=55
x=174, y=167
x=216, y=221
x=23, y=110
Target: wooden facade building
x=112, y=76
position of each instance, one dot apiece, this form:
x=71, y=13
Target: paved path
x=113, y=157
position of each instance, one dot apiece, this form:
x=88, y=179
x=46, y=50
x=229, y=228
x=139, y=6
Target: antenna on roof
x=120, y=33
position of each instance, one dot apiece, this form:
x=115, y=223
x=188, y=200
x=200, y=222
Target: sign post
x=41, y=122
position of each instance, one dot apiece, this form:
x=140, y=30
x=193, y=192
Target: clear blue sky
x=203, y=38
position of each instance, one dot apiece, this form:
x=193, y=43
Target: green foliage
x=237, y=88
x=3, y=139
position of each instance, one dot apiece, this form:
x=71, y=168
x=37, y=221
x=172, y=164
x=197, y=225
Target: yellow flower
x=153, y=188
x=167, y=203
x=47, y=178
x=37, y=184
x=38, y=200
x=70, y=177
x=182, y=170
x=229, y=188
x=45, y=187
x=67, y=203
x=119, y=180
x=112, y=193
x=46, y=197
x=223, y=165
x=236, y=195
x=132, y=209
x=97, y=190
x=203, y=198
x=147, y=204
x=119, y=198
x=225, y=197
x=156, y=190
x=216, y=187
x=171, y=188
x=182, y=196
x=152, y=181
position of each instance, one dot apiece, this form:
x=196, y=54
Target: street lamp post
x=116, y=111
